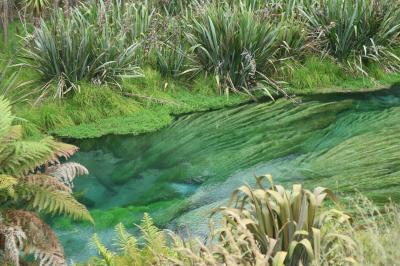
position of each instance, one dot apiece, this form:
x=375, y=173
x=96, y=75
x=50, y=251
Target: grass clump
x=67, y=50
x=234, y=45
x=356, y=33
x=317, y=74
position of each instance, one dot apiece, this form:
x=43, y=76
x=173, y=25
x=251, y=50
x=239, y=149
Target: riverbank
x=150, y=103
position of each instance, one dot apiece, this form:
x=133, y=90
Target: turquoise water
x=179, y=173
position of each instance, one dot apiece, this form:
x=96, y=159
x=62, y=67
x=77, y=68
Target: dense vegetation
x=142, y=59
x=268, y=226
x=90, y=68
x=32, y=182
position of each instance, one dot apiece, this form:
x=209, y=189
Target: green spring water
x=343, y=142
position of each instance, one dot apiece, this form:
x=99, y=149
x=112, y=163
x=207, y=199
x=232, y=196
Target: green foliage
x=153, y=248
x=10, y=85
x=171, y=60
x=375, y=231
x=36, y=7
x=266, y=226
x=284, y=223
x=32, y=178
x=317, y=74
x=70, y=49
x=100, y=110
x=235, y=45
x=358, y=32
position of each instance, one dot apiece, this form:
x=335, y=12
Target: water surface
x=342, y=142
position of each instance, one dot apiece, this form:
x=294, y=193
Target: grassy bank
x=130, y=69
x=145, y=105
x=150, y=103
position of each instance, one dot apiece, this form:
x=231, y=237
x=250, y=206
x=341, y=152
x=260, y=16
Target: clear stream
x=344, y=142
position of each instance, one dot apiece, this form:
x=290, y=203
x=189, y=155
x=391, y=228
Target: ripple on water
x=180, y=172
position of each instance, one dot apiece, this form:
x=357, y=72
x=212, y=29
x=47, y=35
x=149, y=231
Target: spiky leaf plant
x=236, y=45
x=11, y=87
x=356, y=32
x=36, y=8
x=66, y=50
x=285, y=223
x=32, y=182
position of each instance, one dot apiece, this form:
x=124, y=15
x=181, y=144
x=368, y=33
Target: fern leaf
x=14, y=133
x=155, y=240
x=46, y=181
x=5, y=118
x=126, y=242
x=40, y=239
x=104, y=252
x=27, y=156
x=67, y=172
x=55, y=202
x=64, y=150
x=49, y=257
x=7, y=183
x=13, y=242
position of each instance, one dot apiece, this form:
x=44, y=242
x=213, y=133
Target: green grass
x=15, y=29
x=144, y=105
x=150, y=103
x=317, y=75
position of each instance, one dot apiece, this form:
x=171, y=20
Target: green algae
x=162, y=211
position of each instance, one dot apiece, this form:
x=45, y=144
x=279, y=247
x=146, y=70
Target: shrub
x=67, y=50
x=32, y=179
x=356, y=32
x=235, y=45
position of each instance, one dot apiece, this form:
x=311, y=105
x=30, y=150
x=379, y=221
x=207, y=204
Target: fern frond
x=67, y=172
x=65, y=150
x=151, y=233
x=55, y=202
x=155, y=243
x=7, y=183
x=5, y=118
x=104, y=252
x=14, y=133
x=49, y=257
x=46, y=181
x=13, y=242
x=40, y=239
x=126, y=242
x=26, y=156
